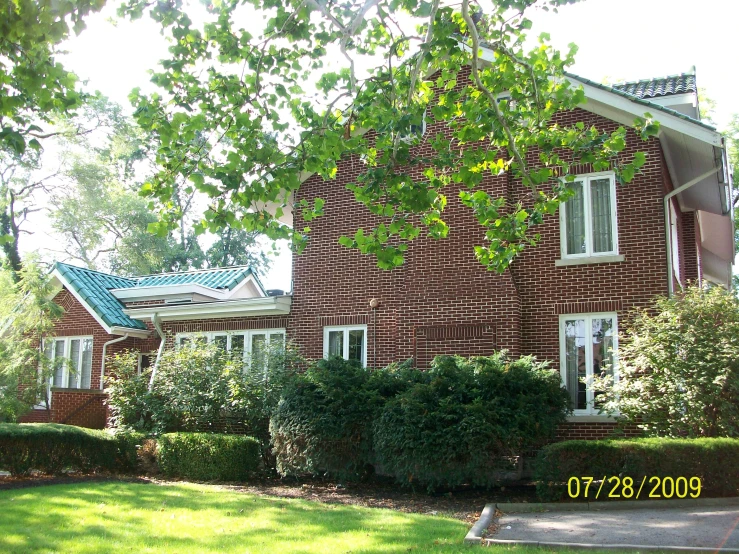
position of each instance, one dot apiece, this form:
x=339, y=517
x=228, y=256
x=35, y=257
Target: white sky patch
x=618, y=40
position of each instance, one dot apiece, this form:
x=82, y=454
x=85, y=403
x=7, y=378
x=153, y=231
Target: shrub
x=679, y=366
x=323, y=423
x=713, y=460
x=198, y=388
x=465, y=419
x=208, y=456
x=51, y=448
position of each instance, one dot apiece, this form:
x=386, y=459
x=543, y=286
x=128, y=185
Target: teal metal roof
x=220, y=278
x=94, y=287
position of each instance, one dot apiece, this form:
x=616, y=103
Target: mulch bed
x=464, y=504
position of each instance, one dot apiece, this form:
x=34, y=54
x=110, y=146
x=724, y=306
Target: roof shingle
x=663, y=86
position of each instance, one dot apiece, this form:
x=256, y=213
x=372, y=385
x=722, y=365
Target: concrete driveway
x=708, y=527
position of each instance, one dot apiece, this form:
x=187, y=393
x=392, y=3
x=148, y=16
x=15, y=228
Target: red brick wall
x=443, y=301
x=83, y=407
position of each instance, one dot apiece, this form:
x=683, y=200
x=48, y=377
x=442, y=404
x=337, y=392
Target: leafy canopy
x=678, y=366
x=33, y=85
x=247, y=112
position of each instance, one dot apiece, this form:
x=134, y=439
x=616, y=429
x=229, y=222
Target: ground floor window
x=72, y=361
x=348, y=342
x=588, y=343
x=255, y=345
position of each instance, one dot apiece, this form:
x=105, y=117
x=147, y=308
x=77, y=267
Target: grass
x=132, y=517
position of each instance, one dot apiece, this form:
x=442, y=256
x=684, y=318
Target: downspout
x=158, y=327
x=105, y=348
x=668, y=235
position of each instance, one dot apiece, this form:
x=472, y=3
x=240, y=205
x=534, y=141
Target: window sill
x=86, y=391
x=590, y=260
x=585, y=418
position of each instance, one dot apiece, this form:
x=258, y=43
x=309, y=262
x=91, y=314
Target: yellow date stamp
x=628, y=488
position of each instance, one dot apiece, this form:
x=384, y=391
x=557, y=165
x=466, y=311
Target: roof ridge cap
x=191, y=271
x=93, y=271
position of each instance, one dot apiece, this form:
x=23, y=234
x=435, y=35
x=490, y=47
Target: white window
x=72, y=361
x=255, y=344
x=348, y=342
x=588, y=343
x=588, y=219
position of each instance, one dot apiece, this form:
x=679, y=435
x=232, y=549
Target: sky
x=618, y=40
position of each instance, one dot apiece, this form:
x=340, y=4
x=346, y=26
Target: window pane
x=600, y=200
x=221, y=341
x=184, y=341
x=74, y=362
x=575, y=220
x=58, y=363
x=575, y=364
x=258, y=343
x=276, y=340
x=356, y=345
x=237, y=343
x=336, y=343
x=86, y=365
x=602, y=348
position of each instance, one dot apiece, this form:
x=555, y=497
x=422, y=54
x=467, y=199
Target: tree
x=244, y=116
x=678, y=366
x=105, y=223
x=33, y=84
x=20, y=188
x=27, y=317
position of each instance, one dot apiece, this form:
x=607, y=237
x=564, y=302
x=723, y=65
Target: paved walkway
x=712, y=527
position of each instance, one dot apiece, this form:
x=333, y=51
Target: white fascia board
x=676, y=99
x=137, y=333
x=270, y=305
x=162, y=291
x=57, y=275
x=636, y=109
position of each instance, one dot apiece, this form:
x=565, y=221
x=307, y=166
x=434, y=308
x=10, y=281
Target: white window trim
x=585, y=178
x=139, y=359
x=345, y=345
x=589, y=316
x=246, y=333
x=65, y=371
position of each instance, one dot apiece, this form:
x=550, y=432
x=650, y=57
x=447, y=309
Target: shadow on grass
x=111, y=517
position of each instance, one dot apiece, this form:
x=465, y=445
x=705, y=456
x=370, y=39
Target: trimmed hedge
x=51, y=448
x=713, y=460
x=208, y=456
x=466, y=419
x=323, y=422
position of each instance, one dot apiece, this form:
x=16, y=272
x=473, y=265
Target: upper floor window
x=72, y=360
x=588, y=219
x=588, y=343
x=348, y=342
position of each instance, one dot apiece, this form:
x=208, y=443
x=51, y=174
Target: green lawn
x=128, y=517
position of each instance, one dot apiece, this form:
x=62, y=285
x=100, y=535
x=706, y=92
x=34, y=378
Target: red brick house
x=612, y=247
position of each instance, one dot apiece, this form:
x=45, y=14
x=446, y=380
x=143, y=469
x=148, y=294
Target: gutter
x=160, y=351
x=105, y=348
x=668, y=235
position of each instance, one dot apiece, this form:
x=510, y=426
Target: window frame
x=588, y=215
x=246, y=333
x=345, y=342
x=590, y=409
x=66, y=366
